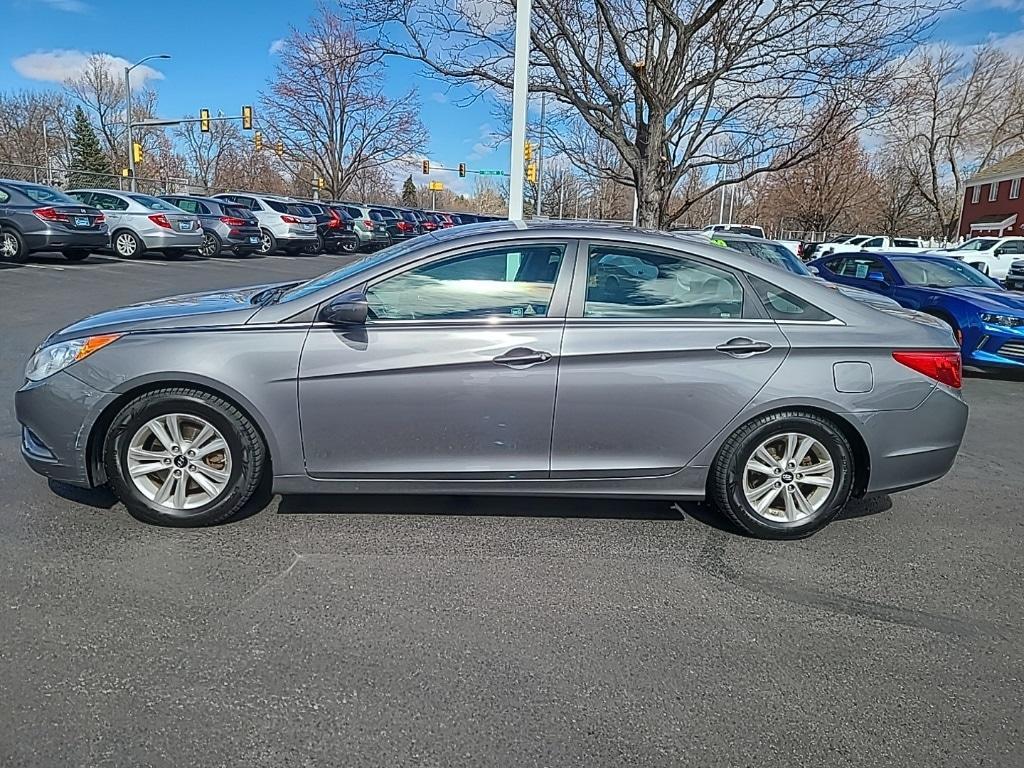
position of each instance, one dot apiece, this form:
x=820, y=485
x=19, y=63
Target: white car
x=876, y=243
x=991, y=255
x=284, y=223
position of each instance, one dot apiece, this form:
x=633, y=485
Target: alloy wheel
x=8, y=246
x=788, y=477
x=179, y=461
x=265, y=243
x=208, y=247
x=125, y=244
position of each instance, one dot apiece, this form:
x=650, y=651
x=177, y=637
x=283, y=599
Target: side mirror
x=347, y=309
x=813, y=269
x=877, y=277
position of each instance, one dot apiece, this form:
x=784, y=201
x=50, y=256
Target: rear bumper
x=170, y=241
x=59, y=240
x=911, y=448
x=57, y=416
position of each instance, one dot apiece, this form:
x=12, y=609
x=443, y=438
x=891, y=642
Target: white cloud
x=58, y=66
x=71, y=6
x=277, y=46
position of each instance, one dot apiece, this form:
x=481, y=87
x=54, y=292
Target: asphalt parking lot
x=401, y=631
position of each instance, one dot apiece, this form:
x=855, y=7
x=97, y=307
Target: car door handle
x=520, y=357
x=744, y=347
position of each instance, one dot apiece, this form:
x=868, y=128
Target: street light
x=520, y=101
x=128, y=111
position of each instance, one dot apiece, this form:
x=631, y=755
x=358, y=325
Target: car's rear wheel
x=784, y=475
x=350, y=246
x=317, y=246
x=183, y=457
x=211, y=245
x=268, y=243
x=76, y=255
x=127, y=244
x=12, y=246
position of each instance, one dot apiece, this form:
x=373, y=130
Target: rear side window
x=154, y=203
x=382, y=214
x=46, y=195
x=186, y=205
x=240, y=213
x=4, y=197
x=783, y=305
x=109, y=202
x=354, y=212
x=629, y=283
x=277, y=206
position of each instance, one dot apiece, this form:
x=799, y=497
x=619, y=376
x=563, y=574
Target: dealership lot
x=385, y=631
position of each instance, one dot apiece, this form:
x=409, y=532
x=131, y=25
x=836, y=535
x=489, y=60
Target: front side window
x=511, y=282
x=628, y=283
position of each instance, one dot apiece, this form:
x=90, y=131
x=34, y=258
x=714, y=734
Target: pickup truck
x=874, y=243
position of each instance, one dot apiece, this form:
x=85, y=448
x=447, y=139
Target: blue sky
x=222, y=55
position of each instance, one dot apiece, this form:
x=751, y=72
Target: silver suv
x=284, y=223
x=140, y=223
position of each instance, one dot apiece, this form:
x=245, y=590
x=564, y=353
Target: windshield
x=979, y=244
x=940, y=273
x=47, y=195
x=368, y=261
x=778, y=255
x=857, y=240
x=155, y=203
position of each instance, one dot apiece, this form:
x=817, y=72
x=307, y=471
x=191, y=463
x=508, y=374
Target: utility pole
x=46, y=155
x=520, y=102
x=540, y=158
x=721, y=208
x=128, y=112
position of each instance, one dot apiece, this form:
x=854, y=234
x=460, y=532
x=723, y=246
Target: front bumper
x=994, y=346
x=63, y=239
x=913, y=447
x=57, y=415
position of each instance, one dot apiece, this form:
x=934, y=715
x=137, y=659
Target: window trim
x=752, y=309
x=993, y=191
x=976, y=193
x=1015, y=188
x=556, y=307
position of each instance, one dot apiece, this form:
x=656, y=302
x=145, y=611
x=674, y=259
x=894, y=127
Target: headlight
x=56, y=357
x=1007, y=321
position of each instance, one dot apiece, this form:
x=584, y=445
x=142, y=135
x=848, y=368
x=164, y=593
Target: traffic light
x=320, y=183
x=136, y=152
x=528, y=152
x=257, y=140
x=426, y=167
x=462, y=170
x=531, y=173
x=204, y=120
x=246, y=118
x=279, y=148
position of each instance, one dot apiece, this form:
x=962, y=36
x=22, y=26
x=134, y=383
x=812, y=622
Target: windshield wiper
x=272, y=295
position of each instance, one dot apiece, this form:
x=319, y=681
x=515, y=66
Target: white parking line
x=44, y=266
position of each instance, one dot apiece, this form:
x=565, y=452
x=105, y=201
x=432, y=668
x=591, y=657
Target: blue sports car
x=987, y=320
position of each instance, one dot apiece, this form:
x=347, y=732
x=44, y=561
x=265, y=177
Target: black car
x=226, y=226
x=411, y=219
x=397, y=227
x=334, y=228
x=35, y=218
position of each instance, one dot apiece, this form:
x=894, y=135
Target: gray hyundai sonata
x=547, y=359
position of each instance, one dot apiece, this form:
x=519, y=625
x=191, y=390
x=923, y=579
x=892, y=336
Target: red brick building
x=993, y=205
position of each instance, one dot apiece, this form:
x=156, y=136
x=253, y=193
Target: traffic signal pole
x=520, y=100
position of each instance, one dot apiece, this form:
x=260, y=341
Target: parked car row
x=77, y=222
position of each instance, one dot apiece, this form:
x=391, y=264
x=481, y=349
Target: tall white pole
x=636, y=206
x=520, y=99
x=128, y=123
x=721, y=207
x=46, y=155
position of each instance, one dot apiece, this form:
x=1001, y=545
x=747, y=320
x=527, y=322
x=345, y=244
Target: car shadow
x=993, y=374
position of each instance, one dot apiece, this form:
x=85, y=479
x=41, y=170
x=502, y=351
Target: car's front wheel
x=784, y=475
x=183, y=457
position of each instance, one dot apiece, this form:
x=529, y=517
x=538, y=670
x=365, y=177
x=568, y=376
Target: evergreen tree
x=89, y=166
x=409, y=192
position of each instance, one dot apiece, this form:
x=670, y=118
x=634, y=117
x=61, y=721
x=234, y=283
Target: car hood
x=994, y=299
x=211, y=308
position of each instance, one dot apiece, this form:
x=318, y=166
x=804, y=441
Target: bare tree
x=326, y=105
x=207, y=154
x=675, y=85
x=961, y=113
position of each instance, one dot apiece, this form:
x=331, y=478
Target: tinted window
x=154, y=203
x=939, y=273
x=241, y=213
x=46, y=195
x=278, y=206
x=342, y=213
x=107, y=202
x=979, y=244
x=186, y=205
x=783, y=305
x=299, y=210
x=313, y=209
x=1012, y=247
x=623, y=282
x=354, y=212
x=874, y=242
x=902, y=243
x=81, y=197
x=375, y=216
x=778, y=255
x=504, y=282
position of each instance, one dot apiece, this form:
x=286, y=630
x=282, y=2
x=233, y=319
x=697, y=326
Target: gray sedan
x=140, y=223
x=504, y=358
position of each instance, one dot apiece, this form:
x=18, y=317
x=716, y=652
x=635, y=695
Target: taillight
x=944, y=367
x=100, y=218
x=290, y=220
x=368, y=223
x=231, y=221
x=404, y=226
x=160, y=220
x=51, y=214
x=335, y=222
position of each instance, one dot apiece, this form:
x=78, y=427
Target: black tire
x=295, y=250
x=12, y=246
x=317, y=247
x=241, y=436
x=76, y=255
x=211, y=246
x=725, y=482
x=350, y=246
x=268, y=243
x=126, y=244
